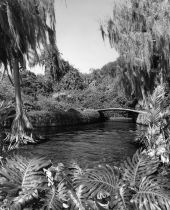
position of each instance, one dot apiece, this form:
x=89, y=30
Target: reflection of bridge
x=120, y=112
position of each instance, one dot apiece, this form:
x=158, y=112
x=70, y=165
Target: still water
x=109, y=142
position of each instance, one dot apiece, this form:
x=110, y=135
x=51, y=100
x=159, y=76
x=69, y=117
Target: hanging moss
x=140, y=31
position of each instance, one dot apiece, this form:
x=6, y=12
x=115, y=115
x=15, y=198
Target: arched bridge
x=120, y=112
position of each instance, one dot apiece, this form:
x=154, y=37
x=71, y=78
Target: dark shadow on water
x=108, y=142
x=108, y=125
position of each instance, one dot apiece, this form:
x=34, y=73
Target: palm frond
x=158, y=96
x=23, y=199
x=101, y=178
x=154, y=106
x=21, y=176
x=140, y=165
x=154, y=116
x=151, y=196
x=75, y=199
x=103, y=185
x=74, y=172
x=55, y=196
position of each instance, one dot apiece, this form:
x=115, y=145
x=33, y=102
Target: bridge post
x=133, y=116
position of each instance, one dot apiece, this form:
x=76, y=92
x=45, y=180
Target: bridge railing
x=119, y=113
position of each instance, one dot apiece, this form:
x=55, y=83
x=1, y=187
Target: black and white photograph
x=84, y=104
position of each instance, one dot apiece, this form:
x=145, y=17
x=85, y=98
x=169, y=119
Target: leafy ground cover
x=34, y=183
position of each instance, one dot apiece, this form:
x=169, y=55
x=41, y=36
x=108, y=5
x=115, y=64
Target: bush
x=70, y=81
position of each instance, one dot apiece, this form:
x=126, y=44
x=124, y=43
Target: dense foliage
x=99, y=89
x=156, y=137
x=35, y=183
x=139, y=30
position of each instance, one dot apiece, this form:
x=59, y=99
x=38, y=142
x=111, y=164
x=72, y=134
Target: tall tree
x=140, y=32
x=24, y=25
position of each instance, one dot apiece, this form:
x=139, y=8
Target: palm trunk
x=18, y=99
x=21, y=123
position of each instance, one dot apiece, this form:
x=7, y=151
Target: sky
x=78, y=33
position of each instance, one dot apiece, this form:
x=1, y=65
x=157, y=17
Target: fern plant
x=150, y=195
x=55, y=191
x=133, y=170
x=123, y=186
x=21, y=178
x=156, y=137
x=35, y=183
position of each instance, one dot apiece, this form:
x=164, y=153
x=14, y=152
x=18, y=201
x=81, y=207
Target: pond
x=108, y=142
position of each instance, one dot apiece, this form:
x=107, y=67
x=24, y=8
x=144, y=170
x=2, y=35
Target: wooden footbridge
x=120, y=113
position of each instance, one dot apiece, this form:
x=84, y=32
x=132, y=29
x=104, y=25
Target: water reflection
x=108, y=142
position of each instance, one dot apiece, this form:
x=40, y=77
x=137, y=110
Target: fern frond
x=158, y=96
x=23, y=199
x=25, y=170
x=151, y=196
x=75, y=199
x=140, y=165
x=55, y=196
x=75, y=171
x=22, y=175
x=101, y=178
x=154, y=116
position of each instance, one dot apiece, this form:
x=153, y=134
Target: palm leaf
x=75, y=199
x=100, y=178
x=74, y=172
x=21, y=175
x=151, y=196
x=23, y=199
x=155, y=108
x=121, y=201
x=154, y=116
x=158, y=95
x=55, y=196
x=104, y=183
x=140, y=165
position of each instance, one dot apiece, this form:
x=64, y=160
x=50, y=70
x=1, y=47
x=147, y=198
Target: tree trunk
x=21, y=124
x=18, y=99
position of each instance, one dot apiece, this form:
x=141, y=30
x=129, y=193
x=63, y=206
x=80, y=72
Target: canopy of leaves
x=71, y=81
x=34, y=85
